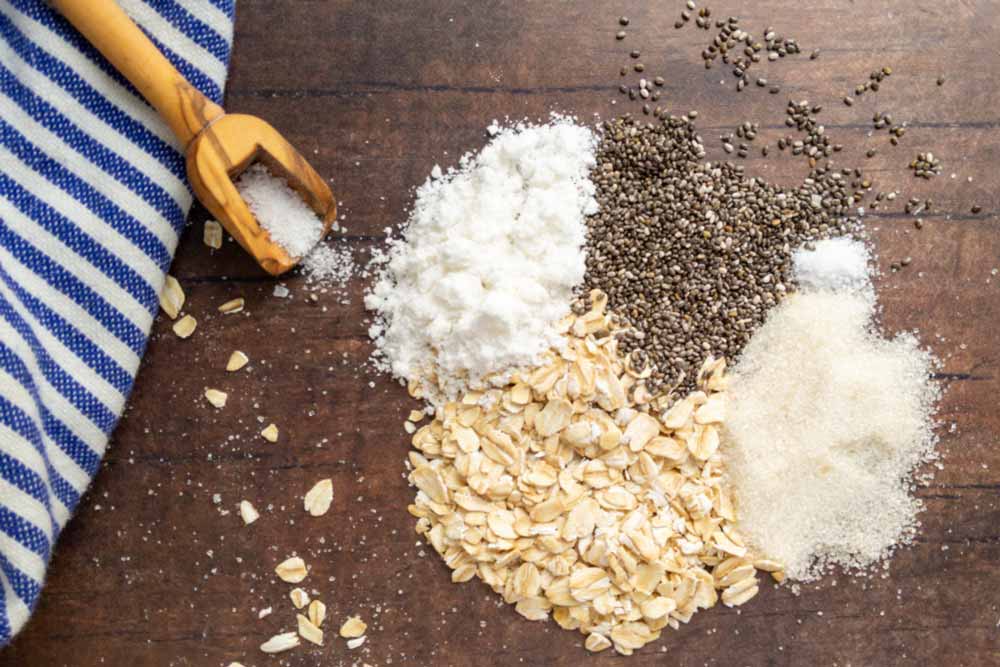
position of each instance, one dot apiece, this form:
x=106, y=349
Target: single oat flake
x=280, y=643
x=308, y=631
x=248, y=512
x=171, y=297
x=212, y=234
x=318, y=498
x=300, y=598
x=216, y=398
x=292, y=570
x=353, y=627
x=270, y=433
x=237, y=360
x=185, y=326
x=232, y=306
x=316, y=613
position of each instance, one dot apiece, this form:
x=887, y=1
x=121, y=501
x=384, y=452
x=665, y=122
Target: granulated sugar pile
x=488, y=261
x=827, y=423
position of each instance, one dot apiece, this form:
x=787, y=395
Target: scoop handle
x=119, y=39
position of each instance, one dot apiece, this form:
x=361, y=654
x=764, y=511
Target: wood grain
x=151, y=573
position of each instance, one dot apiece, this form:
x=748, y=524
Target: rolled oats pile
x=574, y=493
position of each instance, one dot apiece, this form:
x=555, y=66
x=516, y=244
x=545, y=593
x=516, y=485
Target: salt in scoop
x=218, y=146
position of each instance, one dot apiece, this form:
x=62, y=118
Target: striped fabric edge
x=93, y=198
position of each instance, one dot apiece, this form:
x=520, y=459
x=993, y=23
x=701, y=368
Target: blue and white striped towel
x=93, y=196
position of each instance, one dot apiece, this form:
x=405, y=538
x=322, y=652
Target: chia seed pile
x=694, y=253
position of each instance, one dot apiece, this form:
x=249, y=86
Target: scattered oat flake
x=292, y=571
x=415, y=416
x=232, y=306
x=279, y=643
x=317, y=613
x=212, y=234
x=171, y=297
x=356, y=642
x=185, y=326
x=353, y=627
x=248, y=512
x=216, y=398
x=237, y=360
x=300, y=598
x=265, y=612
x=308, y=631
x=270, y=433
x=317, y=500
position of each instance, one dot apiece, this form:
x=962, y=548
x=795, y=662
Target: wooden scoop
x=218, y=146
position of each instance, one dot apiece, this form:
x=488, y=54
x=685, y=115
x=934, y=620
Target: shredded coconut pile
x=838, y=263
x=827, y=423
x=280, y=210
x=489, y=259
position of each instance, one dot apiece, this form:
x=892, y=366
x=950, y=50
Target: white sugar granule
x=489, y=259
x=328, y=266
x=827, y=423
x=838, y=263
x=280, y=210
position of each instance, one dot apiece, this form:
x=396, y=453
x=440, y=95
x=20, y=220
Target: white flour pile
x=489, y=259
x=280, y=210
x=826, y=426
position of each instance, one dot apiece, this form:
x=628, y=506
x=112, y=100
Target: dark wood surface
x=152, y=572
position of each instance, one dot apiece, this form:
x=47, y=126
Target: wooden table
x=153, y=571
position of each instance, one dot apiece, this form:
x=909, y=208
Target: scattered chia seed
x=925, y=166
x=976, y=210
x=739, y=48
